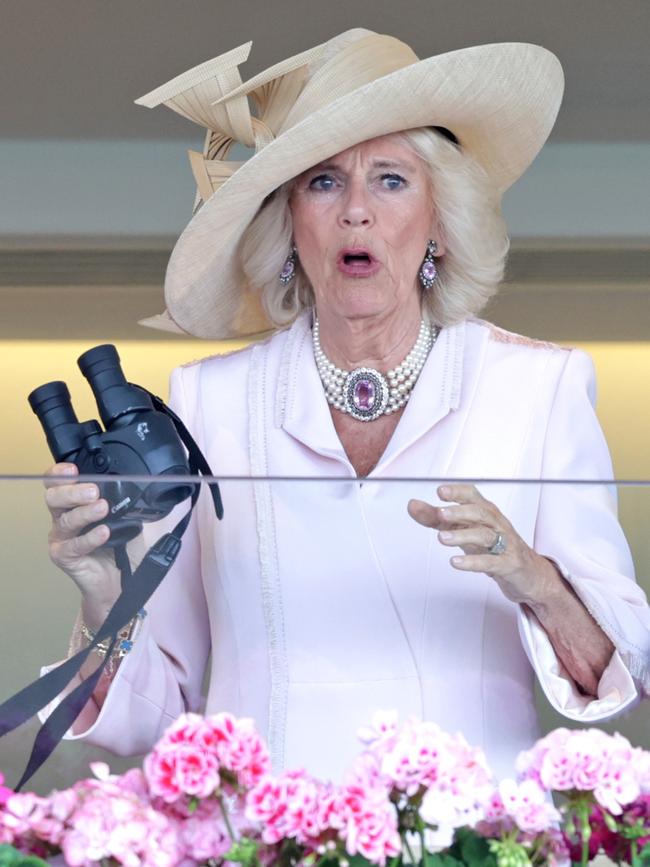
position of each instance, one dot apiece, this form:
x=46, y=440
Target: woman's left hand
x=476, y=525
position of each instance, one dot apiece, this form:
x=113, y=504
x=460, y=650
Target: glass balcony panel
x=39, y=602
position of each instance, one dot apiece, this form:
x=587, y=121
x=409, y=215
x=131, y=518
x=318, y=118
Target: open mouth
x=357, y=262
x=353, y=258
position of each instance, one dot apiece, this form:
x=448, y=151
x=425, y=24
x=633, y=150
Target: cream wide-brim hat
x=500, y=102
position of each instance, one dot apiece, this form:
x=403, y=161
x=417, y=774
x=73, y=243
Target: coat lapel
x=301, y=408
x=436, y=394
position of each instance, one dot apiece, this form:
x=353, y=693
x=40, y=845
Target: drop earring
x=289, y=269
x=428, y=271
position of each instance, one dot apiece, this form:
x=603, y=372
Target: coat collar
x=303, y=412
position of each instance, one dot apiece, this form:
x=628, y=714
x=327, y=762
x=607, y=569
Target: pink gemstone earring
x=428, y=270
x=289, y=269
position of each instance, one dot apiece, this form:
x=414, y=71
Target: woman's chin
x=369, y=312
x=364, y=305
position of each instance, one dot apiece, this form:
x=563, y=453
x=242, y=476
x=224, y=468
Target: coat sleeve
x=578, y=529
x=162, y=675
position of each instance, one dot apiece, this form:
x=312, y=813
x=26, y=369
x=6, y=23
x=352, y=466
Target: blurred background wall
x=93, y=191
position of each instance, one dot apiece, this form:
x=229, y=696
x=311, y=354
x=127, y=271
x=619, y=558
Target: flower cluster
x=588, y=760
x=206, y=795
x=295, y=806
x=198, y=756
x=426, y=770
x=96, y=819
x=522, y=804
x=197, y=775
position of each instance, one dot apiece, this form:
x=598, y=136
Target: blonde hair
x=469, y=221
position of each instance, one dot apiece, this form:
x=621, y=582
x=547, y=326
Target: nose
x=356, y=208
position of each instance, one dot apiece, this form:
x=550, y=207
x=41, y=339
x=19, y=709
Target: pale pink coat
x=324, y=602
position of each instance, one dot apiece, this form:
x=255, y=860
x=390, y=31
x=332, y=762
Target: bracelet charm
x=125, y=639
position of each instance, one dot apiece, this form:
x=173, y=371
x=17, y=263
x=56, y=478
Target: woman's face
x=361, y=223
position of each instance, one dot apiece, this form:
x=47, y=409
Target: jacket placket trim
x=297, y=331
x=268, y=556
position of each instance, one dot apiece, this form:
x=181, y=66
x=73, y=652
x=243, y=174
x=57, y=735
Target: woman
x=369, y=222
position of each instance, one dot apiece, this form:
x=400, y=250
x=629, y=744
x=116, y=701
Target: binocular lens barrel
x=101, y=367
x=51, y=403
x=116, y=398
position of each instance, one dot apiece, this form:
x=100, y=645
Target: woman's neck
x=378, y=342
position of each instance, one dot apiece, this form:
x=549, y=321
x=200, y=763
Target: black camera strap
x=195, y=455
x=137, y=589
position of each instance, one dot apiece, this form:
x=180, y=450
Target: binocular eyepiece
x=138, y=440
x=115, y=398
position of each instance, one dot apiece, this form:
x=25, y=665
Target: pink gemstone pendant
x=429, y=270
x=366, y=394
x=428, y=273
x=286, y=275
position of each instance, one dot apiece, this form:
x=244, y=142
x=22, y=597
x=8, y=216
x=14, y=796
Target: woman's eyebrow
x=393, y=164
x=325, y=167
x=376, y=164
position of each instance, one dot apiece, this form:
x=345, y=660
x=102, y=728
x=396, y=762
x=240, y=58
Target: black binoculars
x=138, y=440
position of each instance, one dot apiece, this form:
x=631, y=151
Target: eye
x=323, y=182
x=393, y=181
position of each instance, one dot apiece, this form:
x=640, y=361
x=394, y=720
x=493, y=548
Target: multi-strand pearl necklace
x=365, y=393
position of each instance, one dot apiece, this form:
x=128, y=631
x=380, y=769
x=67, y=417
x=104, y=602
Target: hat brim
x=499, y=100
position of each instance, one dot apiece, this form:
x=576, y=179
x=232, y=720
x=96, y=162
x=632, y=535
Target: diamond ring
x=499, y=545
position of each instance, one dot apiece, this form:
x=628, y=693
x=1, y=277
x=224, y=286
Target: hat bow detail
x=213, y=95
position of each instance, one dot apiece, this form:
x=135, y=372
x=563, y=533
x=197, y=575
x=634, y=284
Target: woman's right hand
x=73, y=506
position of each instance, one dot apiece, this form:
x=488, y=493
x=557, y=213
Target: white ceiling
x=71, y=68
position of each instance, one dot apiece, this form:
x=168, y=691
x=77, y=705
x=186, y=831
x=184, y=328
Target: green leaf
x=633, y=832
x=11, y=857
x=359, y=861
x=442, y=859
x=472, y=849
x=244, y=852
x=610, y=821
x=643, y=857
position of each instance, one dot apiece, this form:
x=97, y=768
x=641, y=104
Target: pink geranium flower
x=109, y=823
x=286, y=806
x=296, y=806
x=203, y=833
x=450, y=779
x=586, y=760
x=527, y=805
x=193, y=754
x=381, y=734
x=239, y=748
x=176, y=770
x=33, y=824
x=369, y=823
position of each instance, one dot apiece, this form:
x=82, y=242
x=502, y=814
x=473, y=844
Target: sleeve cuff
x=616, y=689
x=90, y=719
